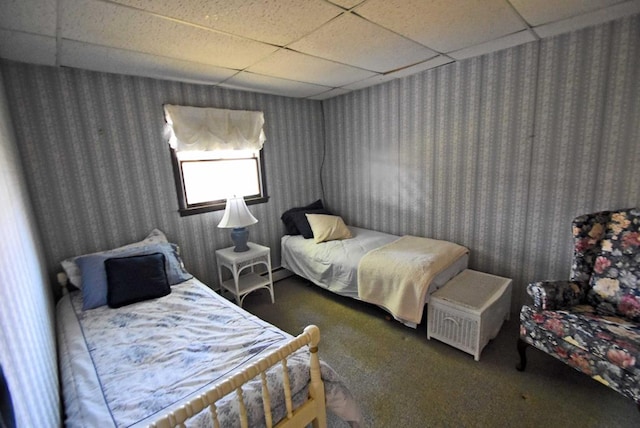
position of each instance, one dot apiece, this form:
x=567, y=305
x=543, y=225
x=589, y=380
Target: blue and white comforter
x=128, y=366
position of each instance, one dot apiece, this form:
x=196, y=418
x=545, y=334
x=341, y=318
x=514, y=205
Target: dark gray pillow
x=288, y=218
x=136, y=278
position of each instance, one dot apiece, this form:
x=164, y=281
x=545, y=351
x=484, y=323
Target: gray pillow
x=73, y=271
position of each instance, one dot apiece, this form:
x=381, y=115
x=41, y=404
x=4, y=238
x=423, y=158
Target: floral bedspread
x=128, y=366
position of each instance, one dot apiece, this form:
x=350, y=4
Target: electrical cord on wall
x=324, y=149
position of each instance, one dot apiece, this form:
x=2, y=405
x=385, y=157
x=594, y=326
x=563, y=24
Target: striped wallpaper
x=587, y=144
x=499, y=152
x=99, y=170
x=27, y=331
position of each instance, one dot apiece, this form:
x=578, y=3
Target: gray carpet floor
x=401, y=379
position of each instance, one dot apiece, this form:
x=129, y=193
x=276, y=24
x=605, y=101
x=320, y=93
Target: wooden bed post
x=312, y=411
x=63, y=282
x=316, y=388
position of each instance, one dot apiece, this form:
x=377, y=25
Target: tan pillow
x=327, y=227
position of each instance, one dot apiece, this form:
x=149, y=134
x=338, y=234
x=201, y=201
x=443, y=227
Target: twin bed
x=186, y=355
x=144, y=343
x=366, y=267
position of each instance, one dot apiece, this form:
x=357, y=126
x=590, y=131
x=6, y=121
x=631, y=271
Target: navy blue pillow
x=288, y=218
x=136, y=278
x=302, y=224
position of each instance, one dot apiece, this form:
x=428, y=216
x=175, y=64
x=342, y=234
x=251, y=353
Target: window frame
x=186, y=209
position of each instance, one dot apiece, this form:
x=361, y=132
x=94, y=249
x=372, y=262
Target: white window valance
x=210, y=129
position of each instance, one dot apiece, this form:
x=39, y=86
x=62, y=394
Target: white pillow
x=327, y=227
x=73, y=271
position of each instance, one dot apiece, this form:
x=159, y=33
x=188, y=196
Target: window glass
x=205, y=179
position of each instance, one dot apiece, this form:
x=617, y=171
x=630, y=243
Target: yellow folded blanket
x=397, y=276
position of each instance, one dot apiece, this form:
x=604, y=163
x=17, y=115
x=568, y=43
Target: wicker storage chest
x=468, y=311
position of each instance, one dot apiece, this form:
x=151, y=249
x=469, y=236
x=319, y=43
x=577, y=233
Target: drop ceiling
x=298, y=48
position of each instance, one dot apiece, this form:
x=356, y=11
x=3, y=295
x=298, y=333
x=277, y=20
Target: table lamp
x=237, y=217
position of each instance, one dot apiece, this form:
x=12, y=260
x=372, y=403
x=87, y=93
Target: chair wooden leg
x=522, y=350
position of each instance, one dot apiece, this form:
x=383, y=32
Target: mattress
x=125, y=367
x=333, y=265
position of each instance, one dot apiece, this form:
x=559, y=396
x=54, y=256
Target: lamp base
x=240, y=236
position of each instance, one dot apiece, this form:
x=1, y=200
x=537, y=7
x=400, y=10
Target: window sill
x=200, y=209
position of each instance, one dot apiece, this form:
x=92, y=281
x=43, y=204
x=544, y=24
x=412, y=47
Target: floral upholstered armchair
x=592, y=321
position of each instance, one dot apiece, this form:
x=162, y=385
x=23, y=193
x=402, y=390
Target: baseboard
x=279, y=274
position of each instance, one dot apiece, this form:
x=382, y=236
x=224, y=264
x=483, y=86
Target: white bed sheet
x=128, y=366
x=333, y=265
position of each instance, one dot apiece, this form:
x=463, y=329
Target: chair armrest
x=554, y=295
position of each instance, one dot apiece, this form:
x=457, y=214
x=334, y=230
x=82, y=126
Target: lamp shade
x=236, y=214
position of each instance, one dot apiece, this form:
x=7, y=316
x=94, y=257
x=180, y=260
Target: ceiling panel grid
x=314, y=49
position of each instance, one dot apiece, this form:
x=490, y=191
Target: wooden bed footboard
x=312, y=411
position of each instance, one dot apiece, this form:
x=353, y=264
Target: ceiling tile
x=593, y=18
x=272, y=85
x=304, y=68
x=376, y=80
x=107, y=24
x=494, y=45
x=279, y=22
x=418, y=68
x=330, y=94
x=415, y=69
x=444, y=25
x=111, y=60
x=30, y=48
x=545, y=11
x=347, y=4
x=311, y=48
x=31, y=16
x=352, y=40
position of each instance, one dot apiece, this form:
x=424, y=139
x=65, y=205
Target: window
x=216, y=154
x=204, y=180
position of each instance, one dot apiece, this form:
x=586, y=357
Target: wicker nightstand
x=242, y=284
